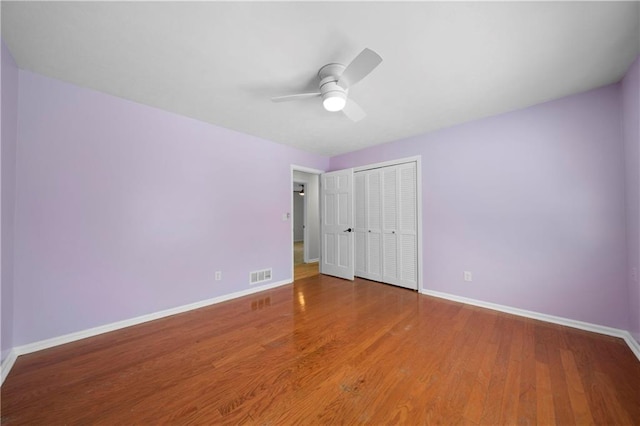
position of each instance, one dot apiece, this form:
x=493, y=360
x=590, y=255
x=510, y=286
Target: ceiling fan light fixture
x=335, y=81
x=334, y=101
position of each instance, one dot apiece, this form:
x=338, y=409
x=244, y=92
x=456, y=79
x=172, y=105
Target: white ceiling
x=444, y=62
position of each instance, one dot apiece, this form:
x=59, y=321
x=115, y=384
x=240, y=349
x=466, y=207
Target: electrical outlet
x=634, y=274
x=467, y=276
x=218, y=275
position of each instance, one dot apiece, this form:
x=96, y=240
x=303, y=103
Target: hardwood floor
x=298, y=253
x=328, y=351
x=300, y=269
x=305, y=270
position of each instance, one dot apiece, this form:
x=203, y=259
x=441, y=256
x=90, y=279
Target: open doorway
x=300, y=255
x=305, y=233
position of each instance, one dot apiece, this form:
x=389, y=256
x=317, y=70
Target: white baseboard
x=633, y=344
x=72, y=337
x=609, y=331
x=7, y=364
x=314, y=260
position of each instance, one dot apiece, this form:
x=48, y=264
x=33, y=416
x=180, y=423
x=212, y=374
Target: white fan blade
x=353, y=111
x=359, y=68
x=297, y=97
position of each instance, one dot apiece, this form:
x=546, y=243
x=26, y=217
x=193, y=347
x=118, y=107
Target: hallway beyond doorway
x=300, y=269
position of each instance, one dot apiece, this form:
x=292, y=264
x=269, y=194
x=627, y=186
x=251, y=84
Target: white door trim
x=415, y=158
x=312, y=171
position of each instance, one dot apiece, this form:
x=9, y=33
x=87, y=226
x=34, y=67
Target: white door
x=336, y=196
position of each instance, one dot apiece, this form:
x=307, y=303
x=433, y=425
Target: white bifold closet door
x=386, y=225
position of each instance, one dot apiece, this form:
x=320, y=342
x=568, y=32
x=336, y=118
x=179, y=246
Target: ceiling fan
x=335, y=81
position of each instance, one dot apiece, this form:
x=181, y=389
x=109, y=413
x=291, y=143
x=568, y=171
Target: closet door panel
x=408, y=248
x=360, y=254
x=390, y=191
x=408, y=198
x=374, y=225
x=390, y=260
x=374, y=271
x=390, y=221
x=360, y=227
x=373, y=200
x=408, y=226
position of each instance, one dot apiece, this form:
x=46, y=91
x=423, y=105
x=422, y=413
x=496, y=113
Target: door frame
x=418, y=160
x=311, y=171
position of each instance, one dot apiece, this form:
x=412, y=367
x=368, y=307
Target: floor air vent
x=256, y=277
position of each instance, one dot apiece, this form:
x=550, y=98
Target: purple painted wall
x=8, y=167
x=531, y=202
x=631, y=125
x=125, y=210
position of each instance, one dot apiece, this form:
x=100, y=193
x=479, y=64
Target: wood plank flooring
x=328, y=351
x=298, y=253
x=305, y=270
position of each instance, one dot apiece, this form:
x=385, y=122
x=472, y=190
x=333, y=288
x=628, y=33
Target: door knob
x=347, y=230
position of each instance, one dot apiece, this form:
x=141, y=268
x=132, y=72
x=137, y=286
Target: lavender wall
x=8, y=167
x=124, y=210
x=531, y=202
x=631, y=125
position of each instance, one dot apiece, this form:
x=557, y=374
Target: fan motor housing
x=329, y=88
x=330, y=84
